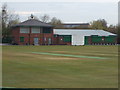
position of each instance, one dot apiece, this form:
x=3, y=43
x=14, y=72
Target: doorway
x=49, y=41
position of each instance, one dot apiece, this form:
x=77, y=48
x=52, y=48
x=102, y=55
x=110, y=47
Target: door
x=86, y=41
x=77, y=39
x=49, y=41
x=36, y=41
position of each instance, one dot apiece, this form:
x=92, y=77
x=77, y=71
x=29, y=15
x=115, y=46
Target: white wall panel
x=77, y=39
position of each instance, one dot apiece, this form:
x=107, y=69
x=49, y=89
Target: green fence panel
x=7, y=40
x=67, y=38
x=110, y=39
x=97, y=39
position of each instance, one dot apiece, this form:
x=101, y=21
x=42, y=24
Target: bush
x=7, y=40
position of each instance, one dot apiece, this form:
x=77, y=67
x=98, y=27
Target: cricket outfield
x=60, y=66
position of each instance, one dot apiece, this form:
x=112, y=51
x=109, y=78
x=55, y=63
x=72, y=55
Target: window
x=21, y=39
x=35, y=30
x=24, y=30
x=55, y=35
x=46, y=31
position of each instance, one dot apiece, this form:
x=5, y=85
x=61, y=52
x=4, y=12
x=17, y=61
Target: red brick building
x=35, y=32
x=32, y=32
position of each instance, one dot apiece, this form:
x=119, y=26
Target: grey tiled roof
x=33, y=22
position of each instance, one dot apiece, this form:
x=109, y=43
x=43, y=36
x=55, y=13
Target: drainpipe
x=29, y=34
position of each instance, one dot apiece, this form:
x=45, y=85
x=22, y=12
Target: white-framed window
x=35, y=30
x=24, y=30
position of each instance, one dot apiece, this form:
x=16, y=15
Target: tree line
x=7, y=19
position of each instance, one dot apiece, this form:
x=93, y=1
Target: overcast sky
x=67, y=10
x=59, y=0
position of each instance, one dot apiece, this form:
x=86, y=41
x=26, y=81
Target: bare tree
x=4, y=15
x=45, y=18
x=13, y=19
x=0, y=27
x=8, y=19
x=0, y=20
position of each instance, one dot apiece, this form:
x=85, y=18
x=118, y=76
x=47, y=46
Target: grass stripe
x=68, y=55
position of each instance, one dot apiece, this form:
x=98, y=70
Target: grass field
x=60, y=66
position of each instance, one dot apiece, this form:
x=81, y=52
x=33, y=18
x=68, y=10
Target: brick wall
x=29, y=37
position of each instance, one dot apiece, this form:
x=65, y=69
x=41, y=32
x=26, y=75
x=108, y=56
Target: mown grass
x=21, y=68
